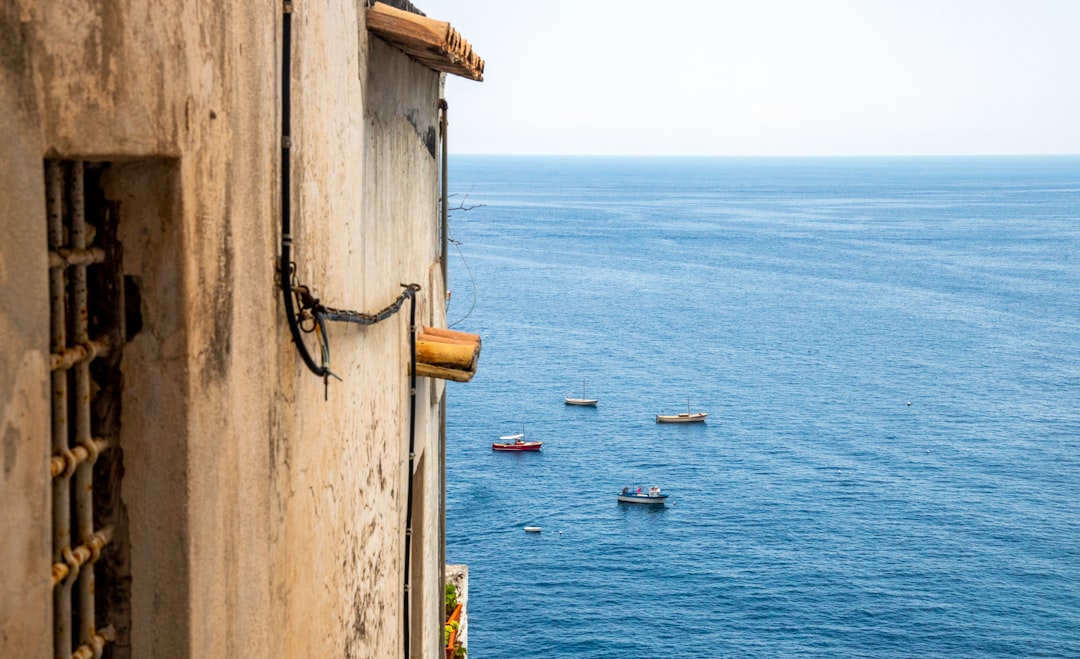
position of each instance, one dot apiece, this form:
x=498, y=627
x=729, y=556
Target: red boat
x=515, y=443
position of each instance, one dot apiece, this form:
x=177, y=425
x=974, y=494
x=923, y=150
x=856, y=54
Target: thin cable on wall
x=472, y=283
x=457, y=245
x=305, y=313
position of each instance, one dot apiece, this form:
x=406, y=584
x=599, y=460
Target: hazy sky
x=767, y=77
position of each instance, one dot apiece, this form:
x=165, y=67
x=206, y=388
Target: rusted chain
x=309, y=304
x=311, y=316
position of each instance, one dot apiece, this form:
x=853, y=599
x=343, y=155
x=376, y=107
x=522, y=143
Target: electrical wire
x=472, y=284
x=300, y=305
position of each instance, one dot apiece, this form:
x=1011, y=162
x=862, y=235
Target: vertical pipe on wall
x=445, y=208
x=444, y=218
x=412, y=458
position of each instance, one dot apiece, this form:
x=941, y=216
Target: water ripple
x=888, y=351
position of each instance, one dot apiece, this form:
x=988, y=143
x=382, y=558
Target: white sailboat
x=682, y=417
x=583, y=401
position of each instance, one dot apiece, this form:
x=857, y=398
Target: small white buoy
x=532, y=529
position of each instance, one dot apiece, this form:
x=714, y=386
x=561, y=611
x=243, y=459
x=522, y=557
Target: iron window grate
x=86, y=335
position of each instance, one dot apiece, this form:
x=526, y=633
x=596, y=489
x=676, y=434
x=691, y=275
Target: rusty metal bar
x=73, y=559
x=84, y=472
x=74, y=449
x=58, y=464
x=61, y=487
x=94, y=651
x=77, y=354
x=65, y=256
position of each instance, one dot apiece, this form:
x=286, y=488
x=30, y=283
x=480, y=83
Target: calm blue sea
x=889, y=353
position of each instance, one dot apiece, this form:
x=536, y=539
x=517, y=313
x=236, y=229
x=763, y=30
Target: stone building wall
x=258, y=514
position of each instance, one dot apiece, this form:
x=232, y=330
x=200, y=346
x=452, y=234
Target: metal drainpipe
x=444, y=211
x=445, y=202
x=412, y=459
x=442, y=507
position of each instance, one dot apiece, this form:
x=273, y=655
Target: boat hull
x=697, y=417
x=582, y=402
x=524, y=446
x=643, y=499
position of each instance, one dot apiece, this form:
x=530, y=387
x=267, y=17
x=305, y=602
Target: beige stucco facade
x=261, y=516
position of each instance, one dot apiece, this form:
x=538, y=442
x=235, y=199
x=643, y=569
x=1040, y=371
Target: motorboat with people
x=515, y=443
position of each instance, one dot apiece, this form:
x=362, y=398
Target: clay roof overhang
x=433, y=43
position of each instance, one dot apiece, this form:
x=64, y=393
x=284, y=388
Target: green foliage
x=450, y=601
x=450, y=598
x=447, y=628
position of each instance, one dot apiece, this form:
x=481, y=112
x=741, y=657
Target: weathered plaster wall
x=25, y=531
x=264, y=520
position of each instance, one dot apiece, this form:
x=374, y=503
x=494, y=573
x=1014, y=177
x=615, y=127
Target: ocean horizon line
x=958, y=156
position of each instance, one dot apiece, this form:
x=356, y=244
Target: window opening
x=86, y=335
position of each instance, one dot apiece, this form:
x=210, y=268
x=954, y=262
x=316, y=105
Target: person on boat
x=625, y=490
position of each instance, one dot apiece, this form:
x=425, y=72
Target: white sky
x=767, y=77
